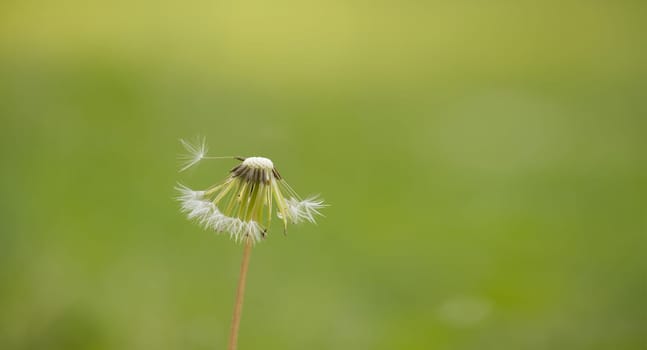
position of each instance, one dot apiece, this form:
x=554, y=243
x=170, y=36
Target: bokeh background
x=484, y=161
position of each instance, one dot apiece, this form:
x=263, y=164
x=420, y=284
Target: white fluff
x=195, y=153
x=207, y=214
x=305, y=210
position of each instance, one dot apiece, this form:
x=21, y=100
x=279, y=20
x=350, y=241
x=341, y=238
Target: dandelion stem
x=240, y=293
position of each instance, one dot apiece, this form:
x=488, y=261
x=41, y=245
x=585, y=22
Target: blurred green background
x=484, y=161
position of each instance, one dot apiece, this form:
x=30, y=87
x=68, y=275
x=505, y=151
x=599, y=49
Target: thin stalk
x=240, y=294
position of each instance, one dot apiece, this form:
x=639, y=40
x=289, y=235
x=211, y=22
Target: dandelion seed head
x=242, y=205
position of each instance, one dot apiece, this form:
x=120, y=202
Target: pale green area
x=484, y=161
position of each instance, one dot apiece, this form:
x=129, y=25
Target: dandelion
x=242, y=206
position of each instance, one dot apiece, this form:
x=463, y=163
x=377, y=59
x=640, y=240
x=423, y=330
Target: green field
x=485, y=165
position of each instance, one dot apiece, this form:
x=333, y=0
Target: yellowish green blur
x=485, y=163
